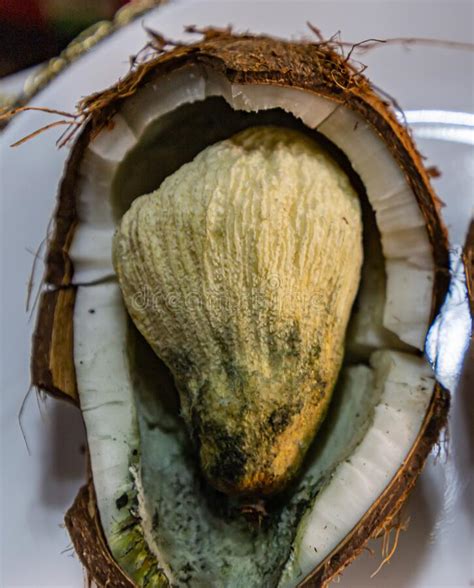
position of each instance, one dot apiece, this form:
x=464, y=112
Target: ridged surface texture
x=240, y=271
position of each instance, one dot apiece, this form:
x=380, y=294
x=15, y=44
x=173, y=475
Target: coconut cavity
x=145, y=471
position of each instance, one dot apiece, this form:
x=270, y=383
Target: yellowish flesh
x=240, y=271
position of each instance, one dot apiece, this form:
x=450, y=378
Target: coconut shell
x=381, y=516
x=83, y=524
x=52, y=359
x=245, y=59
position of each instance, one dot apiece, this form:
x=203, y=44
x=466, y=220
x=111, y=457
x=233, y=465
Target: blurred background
x=32, y=31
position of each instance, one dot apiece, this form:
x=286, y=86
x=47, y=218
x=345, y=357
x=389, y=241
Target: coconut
x=147, y=517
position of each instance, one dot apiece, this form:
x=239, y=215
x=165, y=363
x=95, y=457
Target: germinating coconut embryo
x=247, y=255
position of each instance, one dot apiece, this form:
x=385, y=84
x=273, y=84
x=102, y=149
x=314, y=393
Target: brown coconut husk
x=315, y=67
x=83, y=523
x=52, y=366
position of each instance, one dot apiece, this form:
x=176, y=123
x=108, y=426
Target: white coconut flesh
x=145, y=474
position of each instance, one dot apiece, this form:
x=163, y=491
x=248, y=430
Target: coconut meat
x=140, y=456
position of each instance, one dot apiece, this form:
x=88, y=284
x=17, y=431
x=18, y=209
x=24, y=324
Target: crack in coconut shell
x=314, y=67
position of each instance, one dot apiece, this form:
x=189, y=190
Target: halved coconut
x=146, y=517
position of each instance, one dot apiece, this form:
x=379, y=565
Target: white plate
x=36, y=489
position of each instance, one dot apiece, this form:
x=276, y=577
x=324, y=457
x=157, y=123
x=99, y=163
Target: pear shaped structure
x=240, y=271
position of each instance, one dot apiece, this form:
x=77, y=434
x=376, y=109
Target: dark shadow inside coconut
x=177, y=137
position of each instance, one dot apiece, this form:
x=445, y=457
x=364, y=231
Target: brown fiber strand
x=20, y=417
x=42, y=130
x=364, y=46
x=40, y=109
x=386, y=553
x=36, y=256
